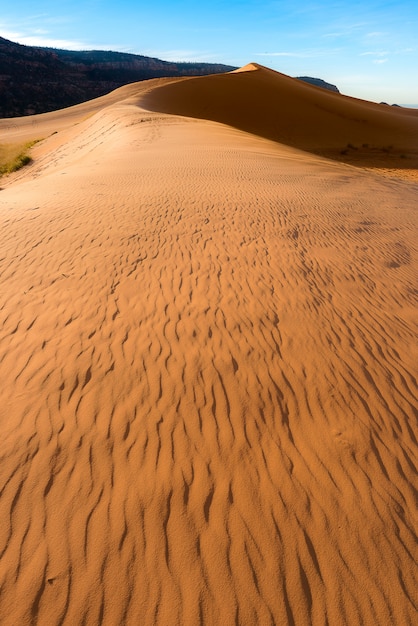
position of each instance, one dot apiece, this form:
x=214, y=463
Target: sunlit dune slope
x=272, y=105
x=208, y=398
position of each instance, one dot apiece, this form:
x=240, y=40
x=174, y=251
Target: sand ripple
x=208, y=399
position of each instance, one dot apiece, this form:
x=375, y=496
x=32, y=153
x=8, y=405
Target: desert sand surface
x=208, y=399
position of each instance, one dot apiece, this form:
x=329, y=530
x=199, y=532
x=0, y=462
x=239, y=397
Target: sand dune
x=272, y=105
x=208, y=363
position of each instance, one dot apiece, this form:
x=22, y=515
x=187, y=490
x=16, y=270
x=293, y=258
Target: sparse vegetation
x=369, y=151
x=15, y=156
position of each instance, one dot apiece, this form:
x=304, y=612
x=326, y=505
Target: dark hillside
x=37, y=80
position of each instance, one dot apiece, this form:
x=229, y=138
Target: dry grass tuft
x=15, y=156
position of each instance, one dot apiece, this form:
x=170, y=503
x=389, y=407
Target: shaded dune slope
x=208, y=364
x=275, y=106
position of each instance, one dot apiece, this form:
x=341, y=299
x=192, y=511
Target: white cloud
x=46, y=42
x=9, y=34
x=39, y=38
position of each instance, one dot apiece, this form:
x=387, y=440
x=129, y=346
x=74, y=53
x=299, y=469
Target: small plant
x=20, y=161
x=14, y=157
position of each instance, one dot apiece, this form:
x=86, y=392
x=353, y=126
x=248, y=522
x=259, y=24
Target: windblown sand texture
x=208, y=363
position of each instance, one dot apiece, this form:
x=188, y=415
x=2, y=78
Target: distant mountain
x=318, y=82
x=37, y=80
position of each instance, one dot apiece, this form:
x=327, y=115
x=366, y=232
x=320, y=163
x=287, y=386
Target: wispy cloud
x=40, y=37
x=307, y=53
x=375, y=53
x=333, y=35
x=375, y=34
x=346, y=30
x=379, y=57
x=46, y=42
x=37, y=30
x=179, y=56
x=300, y=55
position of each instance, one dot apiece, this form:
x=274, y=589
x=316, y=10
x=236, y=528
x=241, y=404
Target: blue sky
x=368, y=48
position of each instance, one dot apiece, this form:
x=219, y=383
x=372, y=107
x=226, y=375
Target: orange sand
x=208, y=363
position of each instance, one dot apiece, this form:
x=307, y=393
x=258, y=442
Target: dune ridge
x=208, y=362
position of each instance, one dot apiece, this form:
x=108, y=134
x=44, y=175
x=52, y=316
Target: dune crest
x=250, y=67
x=208, y=363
